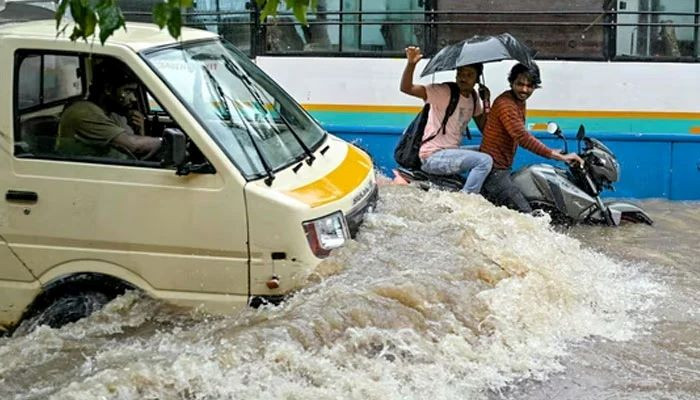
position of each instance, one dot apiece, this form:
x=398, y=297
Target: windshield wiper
x=227, y=109
x=232, y=68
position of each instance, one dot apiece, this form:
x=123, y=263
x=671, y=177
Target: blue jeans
x=460, y=161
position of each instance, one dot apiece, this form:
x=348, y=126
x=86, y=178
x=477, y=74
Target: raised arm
x=413, y=55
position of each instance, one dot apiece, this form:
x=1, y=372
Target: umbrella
x=480, y=49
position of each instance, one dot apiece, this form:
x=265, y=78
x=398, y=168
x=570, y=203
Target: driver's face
x=124, y=96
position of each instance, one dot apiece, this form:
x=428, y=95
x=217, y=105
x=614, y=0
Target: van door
x=180, y=237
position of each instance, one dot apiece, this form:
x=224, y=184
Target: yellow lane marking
x=530, y=113
x=338, y=183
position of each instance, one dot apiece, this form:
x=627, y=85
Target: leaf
x=89, y=24
x=300, y=13
x=175, y=22
x=161, y=14
x=77, y=33
x=77, y=11
x=60, y=12
x=88, y=14
x=270, y=9
x=110, y=19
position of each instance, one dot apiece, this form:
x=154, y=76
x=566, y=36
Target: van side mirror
x=174, y=148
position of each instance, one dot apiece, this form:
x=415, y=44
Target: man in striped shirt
x=505, y=131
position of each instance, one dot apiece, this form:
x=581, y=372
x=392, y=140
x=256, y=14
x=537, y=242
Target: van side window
x=44, y=79
x=45, y=83
x=93, y=109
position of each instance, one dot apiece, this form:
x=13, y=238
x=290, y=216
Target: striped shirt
x=505, y=130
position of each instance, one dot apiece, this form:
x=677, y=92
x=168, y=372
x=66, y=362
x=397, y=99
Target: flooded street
x=664, y=361
x=442, y=296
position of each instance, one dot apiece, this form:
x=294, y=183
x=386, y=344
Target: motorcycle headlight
x=326, y=233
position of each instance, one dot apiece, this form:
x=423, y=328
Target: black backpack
x=406, y=151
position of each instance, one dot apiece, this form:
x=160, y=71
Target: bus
x=626, y=69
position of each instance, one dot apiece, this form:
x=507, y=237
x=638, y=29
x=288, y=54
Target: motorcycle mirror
x=580, y=135
x=552, y=127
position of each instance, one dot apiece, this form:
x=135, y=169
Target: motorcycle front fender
x=630, y=212
x=622, y=211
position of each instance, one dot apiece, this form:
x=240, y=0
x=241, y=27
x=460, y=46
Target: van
x=244, y=196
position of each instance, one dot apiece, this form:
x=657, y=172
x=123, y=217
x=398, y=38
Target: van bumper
x=355, y=216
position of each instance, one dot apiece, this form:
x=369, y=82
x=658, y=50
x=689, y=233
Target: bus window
x=659, y=28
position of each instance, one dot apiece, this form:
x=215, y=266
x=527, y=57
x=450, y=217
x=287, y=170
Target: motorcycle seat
x=450, y=182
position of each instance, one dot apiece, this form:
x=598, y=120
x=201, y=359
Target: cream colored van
x=245, y=195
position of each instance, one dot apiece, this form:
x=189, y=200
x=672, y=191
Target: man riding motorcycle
x=505, y=131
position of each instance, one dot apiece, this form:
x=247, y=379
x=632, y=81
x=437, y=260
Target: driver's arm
x=137, y=144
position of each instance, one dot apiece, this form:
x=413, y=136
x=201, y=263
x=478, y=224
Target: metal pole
x=432, y=29
x=610, y=48
x=257, y=30
x=359, y=27
x=697, y=28
x=341, y=18
x=218, y=17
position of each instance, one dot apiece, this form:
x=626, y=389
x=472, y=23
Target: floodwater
x=442, y=296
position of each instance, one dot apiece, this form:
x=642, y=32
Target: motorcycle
x=569, y=196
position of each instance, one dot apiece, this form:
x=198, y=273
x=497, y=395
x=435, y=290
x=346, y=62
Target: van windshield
x=259, y=126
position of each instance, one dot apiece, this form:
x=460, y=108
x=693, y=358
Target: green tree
x=107, y=16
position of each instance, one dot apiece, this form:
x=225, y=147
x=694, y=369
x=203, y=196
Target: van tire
x=64, y=309
x=69, y=299
x=70, y=308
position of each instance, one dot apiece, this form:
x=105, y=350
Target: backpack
x=406, y=151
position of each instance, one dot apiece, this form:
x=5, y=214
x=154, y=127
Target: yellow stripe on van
x=338, y=183
x=695, y=130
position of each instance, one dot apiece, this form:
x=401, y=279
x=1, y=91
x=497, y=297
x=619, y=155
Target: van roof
x=138, y=36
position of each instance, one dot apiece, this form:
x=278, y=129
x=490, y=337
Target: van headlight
x=326, y=233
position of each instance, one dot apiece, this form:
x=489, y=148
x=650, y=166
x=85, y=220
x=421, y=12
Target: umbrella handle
x=482, y=94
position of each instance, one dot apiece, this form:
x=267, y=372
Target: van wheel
x=70, y=307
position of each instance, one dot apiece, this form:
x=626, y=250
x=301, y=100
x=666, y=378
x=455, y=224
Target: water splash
x=441, y=296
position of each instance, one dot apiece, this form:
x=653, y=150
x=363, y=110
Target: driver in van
x=106, y=124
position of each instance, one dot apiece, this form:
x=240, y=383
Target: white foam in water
x=442, y=296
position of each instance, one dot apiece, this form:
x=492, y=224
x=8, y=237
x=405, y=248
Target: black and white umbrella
x=480, y=49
